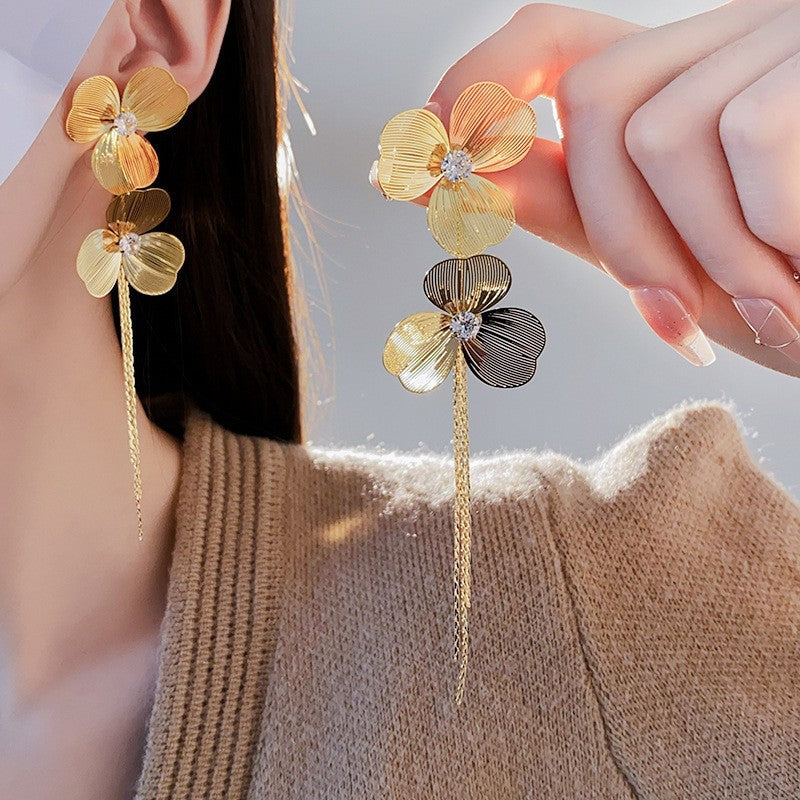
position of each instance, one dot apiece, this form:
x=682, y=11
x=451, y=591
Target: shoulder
x=687, y=461
x=688, y=464
x=655, y=585
x=678, y=506
x=685, y=464
x=679, y=502
x=682, y=561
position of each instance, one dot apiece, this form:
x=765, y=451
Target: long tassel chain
x=126, y=330
x=462, y=576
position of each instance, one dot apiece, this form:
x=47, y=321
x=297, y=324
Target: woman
x=282, y=630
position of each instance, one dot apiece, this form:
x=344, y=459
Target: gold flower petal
x=138, y=160
x=98, y=266
x=504, y=351
x=412, y=147
x=153, y=269
x=94, y=106
x=421, y=351
x=106, y=166
x=144, y=209
x=124, y=163
x=155, y=98
x=467, y=216
x=494, y=127
x=471, y=284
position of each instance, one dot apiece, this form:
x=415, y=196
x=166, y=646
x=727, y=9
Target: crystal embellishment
x=125, y=123
x=464, y=325
x=456, y=165
x=129, y=243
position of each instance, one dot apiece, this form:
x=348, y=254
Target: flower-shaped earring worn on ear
x=127, y=252
x=490, y=130
x=123, y=160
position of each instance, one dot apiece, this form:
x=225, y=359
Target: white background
x=603, y=371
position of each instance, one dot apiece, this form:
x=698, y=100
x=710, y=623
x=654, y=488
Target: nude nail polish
x=666, y=314
x=770, y=324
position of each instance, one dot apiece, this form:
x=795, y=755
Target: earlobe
x=182, y=36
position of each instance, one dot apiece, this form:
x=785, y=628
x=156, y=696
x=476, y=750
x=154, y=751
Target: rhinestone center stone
x=465, y=325
x=125, y=123
x=129, y=243
x=456, y=165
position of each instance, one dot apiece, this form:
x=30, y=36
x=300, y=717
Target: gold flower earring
x=128, y=252
x=123, y=160
x=490, y=130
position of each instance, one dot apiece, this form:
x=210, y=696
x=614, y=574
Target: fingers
x=528, y=55
x=543, y=201
x=759, y=132
x=642, y=185
x=674, y=139
x=530, y=52
x=624, y=222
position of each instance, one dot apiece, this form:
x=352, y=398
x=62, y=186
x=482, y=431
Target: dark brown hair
x=223, y=338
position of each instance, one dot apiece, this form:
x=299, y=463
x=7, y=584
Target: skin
x=81, y=600
x=677, y=159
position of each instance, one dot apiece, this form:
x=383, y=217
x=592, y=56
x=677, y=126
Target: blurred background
x=603, y=371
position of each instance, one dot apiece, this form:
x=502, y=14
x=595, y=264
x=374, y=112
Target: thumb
x=530, y=53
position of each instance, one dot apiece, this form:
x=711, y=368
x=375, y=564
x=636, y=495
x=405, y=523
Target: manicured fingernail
x=664, y=312
x=433, y=107
x=770, y=324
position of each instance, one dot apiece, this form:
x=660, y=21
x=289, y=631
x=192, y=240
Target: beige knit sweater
x=635, y=625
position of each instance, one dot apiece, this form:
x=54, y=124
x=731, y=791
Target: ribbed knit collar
x=219, y=630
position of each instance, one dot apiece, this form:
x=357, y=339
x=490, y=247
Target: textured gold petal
x=412, y=147
x=153, y=269
x=143, y=209
x=98, y=266
x=155, y=99
x=138, y=159
x=124, y=163
x=470, y=215
x=505, y=349
x=106, y=166
x=470, y=284
x=421, y=351
x=94, y=106
x=494, y=127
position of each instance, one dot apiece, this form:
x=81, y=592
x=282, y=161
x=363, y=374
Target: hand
x=679, y=168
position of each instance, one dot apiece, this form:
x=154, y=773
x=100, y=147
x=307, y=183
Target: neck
x=75, y=582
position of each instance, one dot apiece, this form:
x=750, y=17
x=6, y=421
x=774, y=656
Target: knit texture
x=635, y=624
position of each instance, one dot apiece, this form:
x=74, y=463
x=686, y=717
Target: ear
x=183, y=36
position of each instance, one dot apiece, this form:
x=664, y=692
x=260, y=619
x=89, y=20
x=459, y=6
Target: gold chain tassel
x=126, y=330
x=462, y=577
